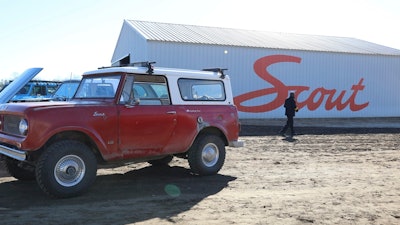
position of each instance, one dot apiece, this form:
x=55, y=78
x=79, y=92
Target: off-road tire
x=66, y=169
x=207, y=155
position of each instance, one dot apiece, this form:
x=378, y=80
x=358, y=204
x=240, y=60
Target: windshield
x=98, y=87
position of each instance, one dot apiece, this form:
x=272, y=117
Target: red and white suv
x=132, y=113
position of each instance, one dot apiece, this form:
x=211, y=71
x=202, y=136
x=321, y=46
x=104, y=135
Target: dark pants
x=289, y=124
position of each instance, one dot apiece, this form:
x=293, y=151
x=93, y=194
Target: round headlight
x=23, y=127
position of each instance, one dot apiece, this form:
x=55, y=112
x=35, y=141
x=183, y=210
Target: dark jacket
x=290, y=106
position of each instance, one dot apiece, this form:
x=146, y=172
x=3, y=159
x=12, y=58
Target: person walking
x=290, y=111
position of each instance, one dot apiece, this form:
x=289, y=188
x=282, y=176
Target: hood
x=21, y=107
x=8, y=92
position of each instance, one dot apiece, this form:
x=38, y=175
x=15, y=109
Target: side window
x=141, y=92
x=149, y=90
x=151, y=93
x=161, y=90
x=201, y=90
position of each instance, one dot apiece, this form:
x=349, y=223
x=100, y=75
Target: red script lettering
x=313, y=101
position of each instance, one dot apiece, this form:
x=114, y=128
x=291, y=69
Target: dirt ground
x=321, y=176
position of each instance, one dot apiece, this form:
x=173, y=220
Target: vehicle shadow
x=139, y=195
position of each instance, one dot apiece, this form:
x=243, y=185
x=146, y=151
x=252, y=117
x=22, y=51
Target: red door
x=144, y=130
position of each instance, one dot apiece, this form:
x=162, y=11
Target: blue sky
x=67, y=38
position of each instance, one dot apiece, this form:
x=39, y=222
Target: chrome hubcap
x=210, y=155
x=69, y=170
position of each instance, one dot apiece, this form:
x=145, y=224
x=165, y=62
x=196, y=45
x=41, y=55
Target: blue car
x=36, y=91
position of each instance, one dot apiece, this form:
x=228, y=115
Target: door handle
x=171, y=112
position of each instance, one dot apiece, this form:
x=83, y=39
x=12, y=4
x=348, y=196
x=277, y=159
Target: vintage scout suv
x=120, y=114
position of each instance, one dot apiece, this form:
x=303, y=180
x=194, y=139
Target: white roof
x=159, y=71
x=167, y=32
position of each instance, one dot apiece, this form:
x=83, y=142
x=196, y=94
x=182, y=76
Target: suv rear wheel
x=207, y=155
x=66, y=169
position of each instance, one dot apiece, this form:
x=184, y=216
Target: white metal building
x=331, y=76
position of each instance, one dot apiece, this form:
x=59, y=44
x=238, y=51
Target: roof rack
x=147, y=64
x=218, y=70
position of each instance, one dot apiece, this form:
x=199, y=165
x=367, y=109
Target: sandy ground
x=322, y=176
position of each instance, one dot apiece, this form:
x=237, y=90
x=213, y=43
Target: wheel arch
x=77, y=136
x=214, y=131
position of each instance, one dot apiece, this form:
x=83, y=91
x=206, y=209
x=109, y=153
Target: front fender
x=36, y=144
x=102, y=130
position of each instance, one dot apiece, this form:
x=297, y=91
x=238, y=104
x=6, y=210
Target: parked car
x=9, y=91
x=66, y=90
x=121, y=114
x=36, y=90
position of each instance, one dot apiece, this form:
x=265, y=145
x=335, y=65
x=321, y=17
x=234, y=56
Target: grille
x=11, y=124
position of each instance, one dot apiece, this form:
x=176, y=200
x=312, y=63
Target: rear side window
x=201, y=90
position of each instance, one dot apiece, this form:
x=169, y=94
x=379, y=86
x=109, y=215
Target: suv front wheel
x=207, y=155
x=66, y=169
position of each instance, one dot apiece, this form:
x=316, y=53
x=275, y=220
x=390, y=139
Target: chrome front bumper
x=12, y=153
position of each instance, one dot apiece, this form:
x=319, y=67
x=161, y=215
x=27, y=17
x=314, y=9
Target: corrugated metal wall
x=328, y=84
x=130, y=42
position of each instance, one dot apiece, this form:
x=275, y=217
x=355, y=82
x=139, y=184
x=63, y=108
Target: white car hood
x=8, y=92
